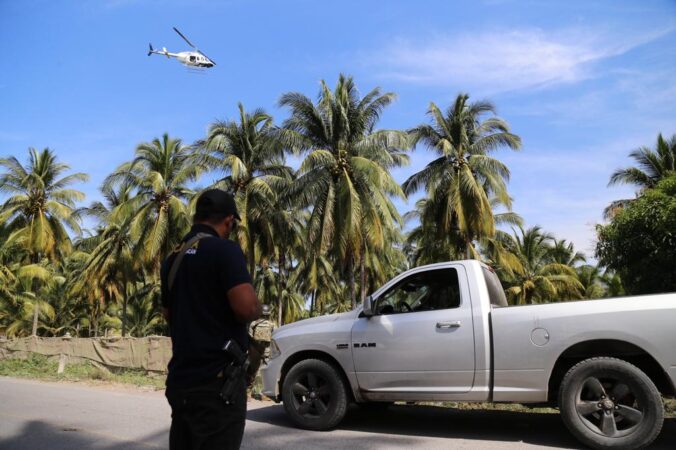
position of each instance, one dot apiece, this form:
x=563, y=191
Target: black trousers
x=200, y=419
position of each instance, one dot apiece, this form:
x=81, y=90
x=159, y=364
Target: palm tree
x=653, y=166
x=563, y=252
x=142, y=316
x=344, y=178
x=160, y=174
x=461, y=181
x=28, y=300
x=110, y=260
x=315, y=277
x=253, y=162
x=40, y=206
x=613, y=283
x=591, y=278
x=536, y=278
x=427, y=243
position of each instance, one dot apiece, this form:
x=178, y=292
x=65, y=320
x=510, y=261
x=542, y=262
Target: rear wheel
x=314, y=394
x=608, y=403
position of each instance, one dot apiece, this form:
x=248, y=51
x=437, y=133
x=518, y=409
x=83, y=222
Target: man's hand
x=244, y=302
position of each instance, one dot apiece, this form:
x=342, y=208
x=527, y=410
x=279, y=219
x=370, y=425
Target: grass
x=43, y=368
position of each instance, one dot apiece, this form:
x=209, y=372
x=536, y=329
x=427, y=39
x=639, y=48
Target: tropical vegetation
x=320, y=236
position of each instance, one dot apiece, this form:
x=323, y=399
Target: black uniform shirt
x=200, y=317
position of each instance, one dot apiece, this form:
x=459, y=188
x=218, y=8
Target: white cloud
x=503, y=61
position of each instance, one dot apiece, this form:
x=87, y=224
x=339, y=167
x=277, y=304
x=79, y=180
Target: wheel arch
x=313, y=354
x=623, y=350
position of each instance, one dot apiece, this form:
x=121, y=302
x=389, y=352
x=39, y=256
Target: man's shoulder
x=221, y=245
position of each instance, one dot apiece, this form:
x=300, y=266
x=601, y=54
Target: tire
x=607, y=403
x=314, y=394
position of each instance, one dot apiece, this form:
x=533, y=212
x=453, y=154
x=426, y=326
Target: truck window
x=495, y=291
x=423, y=291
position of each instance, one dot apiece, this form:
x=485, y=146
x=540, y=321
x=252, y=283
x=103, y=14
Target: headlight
x=274, y=350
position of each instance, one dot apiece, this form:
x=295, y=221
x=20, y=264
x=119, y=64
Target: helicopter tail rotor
x=150, y=49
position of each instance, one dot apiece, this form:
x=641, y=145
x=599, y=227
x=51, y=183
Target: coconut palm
x=563, y=252
x=142, y=316
x=591, y=278
x=427, y=243
x=536, y=278
x=28, y=300
x=463, y=178
x=253, y=162
x=160, y=174
x=381, y=265
x=315, y=277
x=652, y=166
x=286, y=304
x=110, y=260
x=613, y=283
x=344, y=178
x=40, y=206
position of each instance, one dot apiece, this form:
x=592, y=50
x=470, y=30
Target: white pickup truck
x=444, y=332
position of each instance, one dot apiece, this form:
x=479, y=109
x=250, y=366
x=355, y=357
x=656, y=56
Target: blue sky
x=583, y=83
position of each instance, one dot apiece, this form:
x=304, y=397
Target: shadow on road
x=37, y=435
x=397, y=427
x=431, y=421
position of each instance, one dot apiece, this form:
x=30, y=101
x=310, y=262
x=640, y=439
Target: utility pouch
x=234, y=372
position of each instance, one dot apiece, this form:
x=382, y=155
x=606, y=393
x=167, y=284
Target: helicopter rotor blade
x=204, y=54
x=184, y=38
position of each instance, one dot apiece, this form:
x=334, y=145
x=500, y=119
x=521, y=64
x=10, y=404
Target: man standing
x=260, y=332
x=208, y=299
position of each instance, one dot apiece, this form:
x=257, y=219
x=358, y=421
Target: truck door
x=421, y=338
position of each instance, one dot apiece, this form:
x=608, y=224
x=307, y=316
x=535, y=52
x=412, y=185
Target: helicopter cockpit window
x=424, y=291
x=192, y=58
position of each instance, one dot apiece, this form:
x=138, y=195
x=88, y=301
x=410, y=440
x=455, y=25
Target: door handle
x=455, y=324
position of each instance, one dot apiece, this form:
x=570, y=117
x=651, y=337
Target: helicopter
x=190, y=59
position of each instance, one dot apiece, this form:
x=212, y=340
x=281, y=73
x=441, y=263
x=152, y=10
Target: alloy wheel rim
x=609, y=407
x=311, y=395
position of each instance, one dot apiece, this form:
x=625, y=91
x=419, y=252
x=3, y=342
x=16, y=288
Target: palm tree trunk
x=252, y=255
x=469, y=249
x=312, y=301
x=281, y=287
x=36, y=306
x=36, y=313
x=350, y=278
x=362, y=272
x=124, y=308
x=124, y=316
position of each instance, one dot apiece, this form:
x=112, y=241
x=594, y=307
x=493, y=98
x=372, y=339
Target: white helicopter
x=192, y=59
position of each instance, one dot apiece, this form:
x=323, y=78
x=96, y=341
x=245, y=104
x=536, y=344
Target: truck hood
x=317, y=320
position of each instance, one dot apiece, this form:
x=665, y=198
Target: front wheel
x=314, y=395
x=608, y=403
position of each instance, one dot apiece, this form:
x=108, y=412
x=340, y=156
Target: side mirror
x=368, y=306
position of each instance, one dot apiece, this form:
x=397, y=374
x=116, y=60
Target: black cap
x=215, y=202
